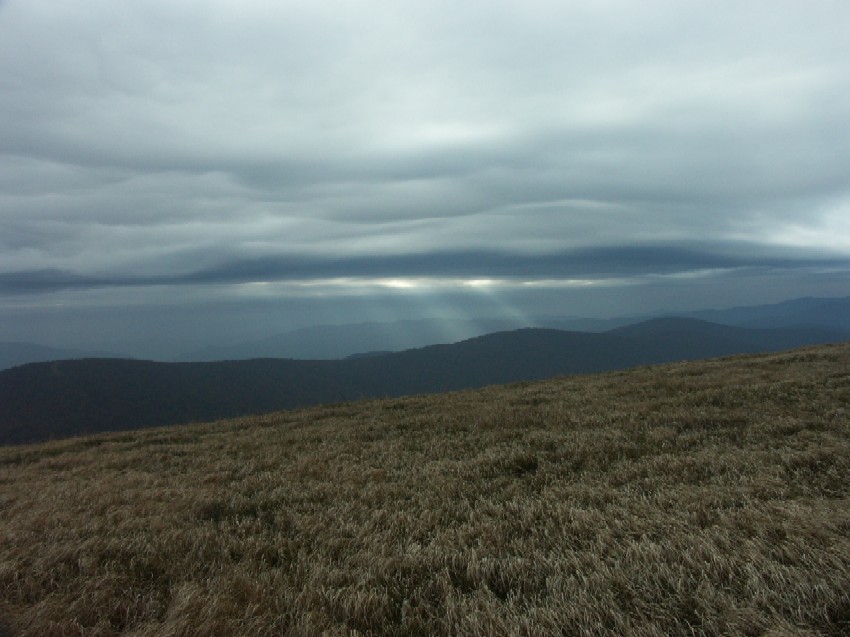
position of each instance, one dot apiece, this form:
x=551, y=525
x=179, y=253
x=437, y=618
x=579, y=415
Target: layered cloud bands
x=420, y=145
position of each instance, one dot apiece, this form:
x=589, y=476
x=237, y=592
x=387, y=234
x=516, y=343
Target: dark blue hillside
x=40, y=401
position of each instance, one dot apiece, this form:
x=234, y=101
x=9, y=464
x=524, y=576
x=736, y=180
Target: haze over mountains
x=63, y=398
x=13, y=354
x=340, y=341
x=327, y=342
x=824, y=312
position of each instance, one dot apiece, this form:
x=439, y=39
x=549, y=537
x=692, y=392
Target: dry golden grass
x=701, y=498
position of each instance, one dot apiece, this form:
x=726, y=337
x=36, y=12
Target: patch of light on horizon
x=425, y=285
x=487, y=288
x=398, y=284
x=576, y=283
x=481, y=283
x=425, y=293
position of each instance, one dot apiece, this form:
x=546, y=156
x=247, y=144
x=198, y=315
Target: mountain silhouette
x=13, y=354
x=40, y=401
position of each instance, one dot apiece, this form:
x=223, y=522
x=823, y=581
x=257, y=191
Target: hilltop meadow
x=700, y=498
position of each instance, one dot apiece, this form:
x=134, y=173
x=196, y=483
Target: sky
x=179, y=172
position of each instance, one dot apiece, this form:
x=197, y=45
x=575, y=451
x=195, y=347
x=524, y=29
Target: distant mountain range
x=340, y=341
x=64, y=398
x=831, y=313
x=13, y=354
x=329, y=342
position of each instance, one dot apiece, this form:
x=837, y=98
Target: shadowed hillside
x=706, y=498
x=64, y=398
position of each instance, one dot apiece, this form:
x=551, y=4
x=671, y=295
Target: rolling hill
x=65, y=398
x=13, y=354
x=701, y=498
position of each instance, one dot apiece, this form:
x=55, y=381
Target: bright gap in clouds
x=418, y=285
x=439, y=297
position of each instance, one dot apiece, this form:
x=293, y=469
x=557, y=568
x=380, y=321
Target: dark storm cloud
x=602, y=261
x=608, y=261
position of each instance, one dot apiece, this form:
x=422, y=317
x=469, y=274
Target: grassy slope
x=700, y=498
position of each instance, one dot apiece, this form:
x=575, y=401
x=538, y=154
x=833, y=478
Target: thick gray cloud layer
x=156, y=144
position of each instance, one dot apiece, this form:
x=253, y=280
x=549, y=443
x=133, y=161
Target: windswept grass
x=702, y=498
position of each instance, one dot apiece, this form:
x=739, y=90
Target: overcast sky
x=294, y=162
